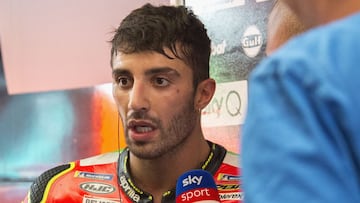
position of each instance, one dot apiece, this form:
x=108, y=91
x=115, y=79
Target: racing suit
x=105, y=179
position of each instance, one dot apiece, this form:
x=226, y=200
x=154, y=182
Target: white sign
x=228, y=105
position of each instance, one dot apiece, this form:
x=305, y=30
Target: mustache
x=137, y=115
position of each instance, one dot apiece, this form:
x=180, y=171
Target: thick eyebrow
x=161, y=70
x=153, y=71
x=116, y=72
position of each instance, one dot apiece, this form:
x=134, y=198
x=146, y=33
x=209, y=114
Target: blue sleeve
x=293, y=148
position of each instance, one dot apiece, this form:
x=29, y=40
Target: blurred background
x=55, y=79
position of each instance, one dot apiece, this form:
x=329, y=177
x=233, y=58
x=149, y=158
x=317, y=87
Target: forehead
x=143, y=61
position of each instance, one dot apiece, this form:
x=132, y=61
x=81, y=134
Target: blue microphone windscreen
x=196, y=185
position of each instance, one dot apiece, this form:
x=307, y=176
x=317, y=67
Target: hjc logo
x=192, y=180
x=99, y=188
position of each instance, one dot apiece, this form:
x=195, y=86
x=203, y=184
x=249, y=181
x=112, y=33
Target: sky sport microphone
x=196, y=186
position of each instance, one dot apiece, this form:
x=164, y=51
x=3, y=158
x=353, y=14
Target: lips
x=140, y=126
x=140, y=130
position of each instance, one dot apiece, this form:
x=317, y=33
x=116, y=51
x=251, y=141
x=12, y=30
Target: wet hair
x=154, y=28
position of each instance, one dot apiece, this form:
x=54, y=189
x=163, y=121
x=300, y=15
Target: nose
x=138, y=97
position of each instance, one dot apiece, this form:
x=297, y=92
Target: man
x=283, y=24
x=160, y=68
x=301, y=138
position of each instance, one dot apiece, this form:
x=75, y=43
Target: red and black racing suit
x=105, y=179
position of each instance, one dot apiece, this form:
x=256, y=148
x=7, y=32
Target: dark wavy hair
x=152, y=28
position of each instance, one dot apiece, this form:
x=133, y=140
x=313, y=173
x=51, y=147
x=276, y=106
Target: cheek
x=175, y=102
x=121, y=102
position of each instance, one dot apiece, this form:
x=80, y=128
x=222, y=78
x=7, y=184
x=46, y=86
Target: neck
x=323, y=12
x=159, y=175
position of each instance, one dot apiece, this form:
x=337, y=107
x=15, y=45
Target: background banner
x=237, y=29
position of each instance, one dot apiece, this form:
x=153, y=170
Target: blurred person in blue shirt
x=301, y=139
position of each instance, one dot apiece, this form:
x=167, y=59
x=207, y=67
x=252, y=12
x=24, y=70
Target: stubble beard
x=172, y=138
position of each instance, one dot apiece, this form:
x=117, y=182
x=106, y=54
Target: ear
x=204, y=93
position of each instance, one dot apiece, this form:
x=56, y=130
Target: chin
x=144, y=151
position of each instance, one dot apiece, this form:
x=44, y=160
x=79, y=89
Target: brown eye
x=161, y=82
x=124, y=82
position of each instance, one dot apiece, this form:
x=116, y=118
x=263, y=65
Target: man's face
x=155, y=99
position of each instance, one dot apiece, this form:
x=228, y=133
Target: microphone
x=196, y=186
